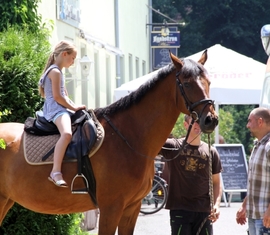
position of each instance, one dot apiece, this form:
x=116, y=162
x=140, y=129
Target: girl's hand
x=79, y=107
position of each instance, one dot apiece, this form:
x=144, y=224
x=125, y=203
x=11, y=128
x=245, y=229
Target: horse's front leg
x=109, y=219
x=129, y=219
x=5, y=205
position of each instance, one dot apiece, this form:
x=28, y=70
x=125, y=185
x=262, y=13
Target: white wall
x=98, y=25
x=134, y=35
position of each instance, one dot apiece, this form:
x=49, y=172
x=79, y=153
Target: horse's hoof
x=60, y=183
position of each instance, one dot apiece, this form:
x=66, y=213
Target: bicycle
x=156, y=198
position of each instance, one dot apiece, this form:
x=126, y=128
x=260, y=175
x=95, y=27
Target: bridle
x=189, y=105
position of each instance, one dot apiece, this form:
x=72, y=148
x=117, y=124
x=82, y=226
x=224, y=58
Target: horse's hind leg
x=129, y=218
x=5, y=205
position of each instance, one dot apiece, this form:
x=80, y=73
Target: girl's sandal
x=59, y=183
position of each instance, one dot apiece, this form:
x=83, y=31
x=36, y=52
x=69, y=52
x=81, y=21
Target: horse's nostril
x=209, y=121
x=208, y=124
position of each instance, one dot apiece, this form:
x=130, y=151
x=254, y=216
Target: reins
x=211, y=190
x=189, y=105
x=123, y=138
x=183, y=145
x=195, y=117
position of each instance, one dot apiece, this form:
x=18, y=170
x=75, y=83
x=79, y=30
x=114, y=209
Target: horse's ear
x=176, y=61
x=203, y=58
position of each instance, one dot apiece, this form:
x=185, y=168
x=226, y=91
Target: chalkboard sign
x=234, y=165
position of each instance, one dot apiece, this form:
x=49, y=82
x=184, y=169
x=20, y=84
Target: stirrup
x=80, y=191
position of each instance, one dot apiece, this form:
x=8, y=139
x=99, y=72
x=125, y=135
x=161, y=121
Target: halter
x=191, y=106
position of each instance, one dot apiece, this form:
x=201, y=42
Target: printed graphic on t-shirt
x=191, y=164
x=194, y=160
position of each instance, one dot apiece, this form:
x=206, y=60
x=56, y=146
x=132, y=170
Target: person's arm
x=170, y=148
x=217, y=192
x=55, y=76
x=266, y=216
x=241, y=213
x=217, y=189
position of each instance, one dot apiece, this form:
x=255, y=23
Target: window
x=130, y=67
x=137, y=67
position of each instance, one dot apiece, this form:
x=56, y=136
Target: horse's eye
x=186, y=84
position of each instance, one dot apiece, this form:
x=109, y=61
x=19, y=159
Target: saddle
x=84, y=136
x=84, y=133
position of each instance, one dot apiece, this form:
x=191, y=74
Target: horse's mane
x=190, y=69
x=135, y=96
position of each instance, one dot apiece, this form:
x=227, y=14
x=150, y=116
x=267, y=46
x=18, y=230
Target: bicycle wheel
x=156, y=198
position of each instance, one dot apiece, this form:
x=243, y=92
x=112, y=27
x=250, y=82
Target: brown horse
x=123, y=166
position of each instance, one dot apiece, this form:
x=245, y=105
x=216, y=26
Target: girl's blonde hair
x=62, y=46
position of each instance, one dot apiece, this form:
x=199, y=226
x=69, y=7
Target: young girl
x=57, y=103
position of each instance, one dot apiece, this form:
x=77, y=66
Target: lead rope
x=211, y=192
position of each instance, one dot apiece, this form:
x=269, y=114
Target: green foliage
x=240, y=115
x=20, y=221
x=23, y=55
x=22, y=58
x=179, y=130
x=2, y=144
x=166, y=7
x=4, y=113
x=225, y=22
x=226, y=127
x=22, y=14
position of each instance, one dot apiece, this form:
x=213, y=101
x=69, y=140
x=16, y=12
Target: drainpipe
x=117, y=44
x=150, y=30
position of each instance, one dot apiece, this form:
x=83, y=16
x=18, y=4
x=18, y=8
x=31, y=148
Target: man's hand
x=241, y=216
x=214, y=215
x=266, y=218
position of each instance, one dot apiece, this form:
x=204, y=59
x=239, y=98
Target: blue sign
x=165, y=38
x=162, y=56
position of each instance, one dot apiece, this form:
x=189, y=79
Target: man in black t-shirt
x=188, y=180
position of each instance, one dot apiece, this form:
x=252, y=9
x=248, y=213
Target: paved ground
x=158, y=224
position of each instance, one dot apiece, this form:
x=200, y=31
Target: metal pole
x=118, y=66
x=217, y=128
x=150, y=30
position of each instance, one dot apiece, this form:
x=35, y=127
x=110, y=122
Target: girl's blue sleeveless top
x=51, y=107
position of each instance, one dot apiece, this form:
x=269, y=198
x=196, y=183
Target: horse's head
x=193, y=82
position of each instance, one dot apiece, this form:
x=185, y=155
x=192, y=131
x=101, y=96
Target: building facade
x=112, y=34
